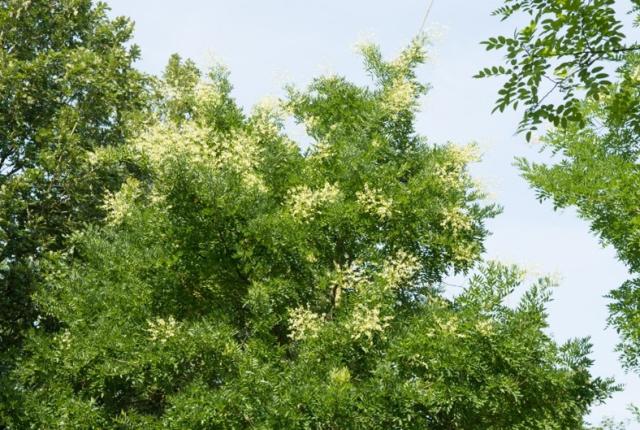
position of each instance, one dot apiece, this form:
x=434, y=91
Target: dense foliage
x=596, y=141
x=67, y=86
x=250, y=283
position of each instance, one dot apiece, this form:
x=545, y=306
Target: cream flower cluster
x=366, y=322
x=207, y=96
x=238, y=152
x=413, y=54
x=304, y=202
x=465, y=154
x=119, y=204
x=400, y=96
x=374, y=202
x=321, y=150
x=456, y=220
x=164, y=141
x=400, y=269
x=484, y=327
x=452, y=173
x=450, y=326
x=340, y=376
x=464, y=254
x=267, y=117
x=161, y=330
x=350, y=277
x=304, y=323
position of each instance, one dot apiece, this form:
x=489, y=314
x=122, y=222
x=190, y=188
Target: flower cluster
x=267, y=117
x=304, y=323
x=400, y=269
x=452, y=173
x=456, y=220
x=366, y=322
x=465, y=154
x=238, y=153
x=374, y=202
x=161, y=330
x=465, y=254
x=340, y=376
x=347, y=278
x=410, y=56
x=484, y=327
x=400, y=96
x=304, y=202
x=118, y=204
x=207, y=96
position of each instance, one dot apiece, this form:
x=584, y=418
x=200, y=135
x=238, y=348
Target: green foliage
x=597, y=128
x=250, y=284
x=67, y=89
x=564, y=48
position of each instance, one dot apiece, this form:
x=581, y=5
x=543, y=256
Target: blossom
x=465, y=154
x=304, y=202
x=374, y=202
x=465, y=254
x=400, y=269
x=238, y=152
x=350, y=277
x=399, y=96
x=267, y=117
x=304, y=323
x=456, y=220
x=410, y=56
x=367, y=322
x=162, y=330
x=484, y=327
x=340, y=376
x=119, y=204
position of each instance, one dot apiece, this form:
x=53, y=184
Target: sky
x=269, y=43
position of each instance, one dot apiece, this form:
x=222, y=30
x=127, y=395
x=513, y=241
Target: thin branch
x=594, y=52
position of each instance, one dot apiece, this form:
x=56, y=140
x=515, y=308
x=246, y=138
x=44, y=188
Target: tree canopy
x=250, y=281
x=168, y=260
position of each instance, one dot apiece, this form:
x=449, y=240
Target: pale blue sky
x=269, y=42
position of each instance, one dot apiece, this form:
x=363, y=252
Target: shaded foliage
x=67, y=88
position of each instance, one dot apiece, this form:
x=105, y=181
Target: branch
x=595, y=52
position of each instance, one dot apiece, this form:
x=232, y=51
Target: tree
x=597, y=129
x=251, y=284
x=67, y=88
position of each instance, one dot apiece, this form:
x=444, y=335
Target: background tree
x=250, y=284
x=573, y=46
x=67, y=88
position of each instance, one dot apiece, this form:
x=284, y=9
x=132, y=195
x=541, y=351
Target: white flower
x=340, y=376
x=267, y=117
x=400, y=96
x=238, y=152
x=304, y=324
x=161, y=330
x=465, y=154
x=399, y=269
x=464, y=254
x=367, y=322
x=304, y=203
x=484, y=327
x=456, y=220
x=119, y=204
x=350, y=277
x=374, y=202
